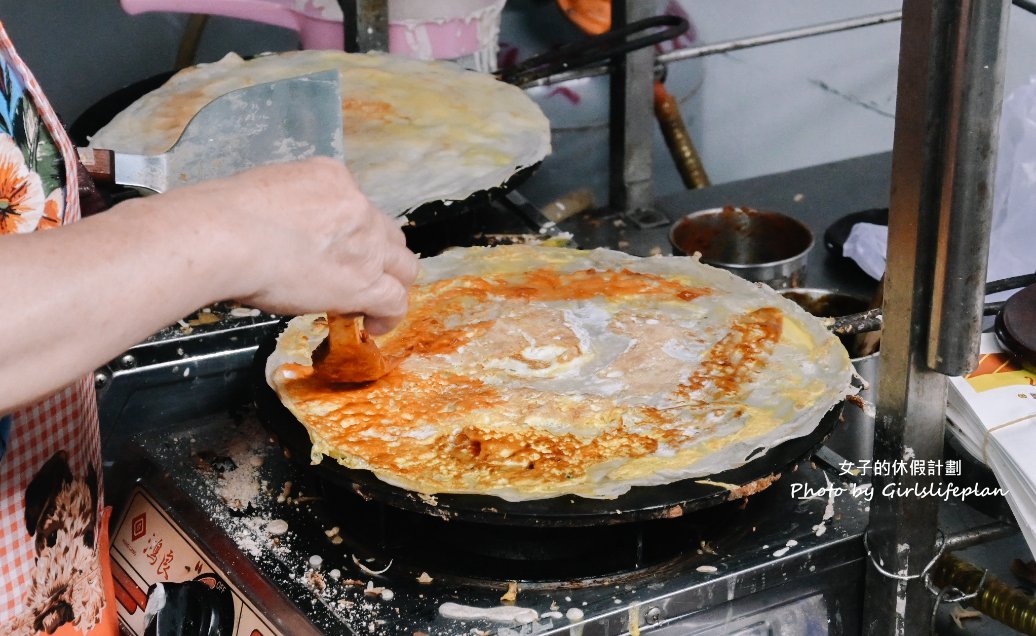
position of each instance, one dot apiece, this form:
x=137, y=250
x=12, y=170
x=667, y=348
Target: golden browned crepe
x=415, y=131
x=528, y=372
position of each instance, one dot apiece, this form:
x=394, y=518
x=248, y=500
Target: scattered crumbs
x=315, y=580
x=332, y=532
x=554, y=606
x=552, y=614
x=798, y=198
x=618, y=601
x=424, y=579
x=316, y=561
x=568, y=599
x=335, y=574
x=244, y=312
x=367, y=570
x=285, y=492
x=511, y=595
x=707, y=569
x=574, y=614
x=788, y=546
x=277, y=527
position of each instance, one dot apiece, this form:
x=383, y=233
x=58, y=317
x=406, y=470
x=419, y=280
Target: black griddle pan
x=639, y=504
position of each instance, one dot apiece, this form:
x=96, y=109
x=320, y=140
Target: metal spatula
x=276, y=122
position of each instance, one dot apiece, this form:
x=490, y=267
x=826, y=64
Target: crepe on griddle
x=528, y=372
x=414, y=131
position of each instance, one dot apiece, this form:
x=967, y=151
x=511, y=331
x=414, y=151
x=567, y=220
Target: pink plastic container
x=443, y=29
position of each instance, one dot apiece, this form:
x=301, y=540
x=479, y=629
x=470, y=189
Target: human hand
x=305, y=239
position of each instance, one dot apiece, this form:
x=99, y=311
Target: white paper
x=866, y=245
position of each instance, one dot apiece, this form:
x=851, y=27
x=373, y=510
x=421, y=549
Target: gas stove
x=217, y=501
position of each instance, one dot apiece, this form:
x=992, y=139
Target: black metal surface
x=596, y=48
x=1015, y=325
x=463, y=552
x=639, y=504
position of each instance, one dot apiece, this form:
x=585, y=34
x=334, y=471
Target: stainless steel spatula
x=275, y=122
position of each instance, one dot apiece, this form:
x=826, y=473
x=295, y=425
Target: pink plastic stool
x=413, y=33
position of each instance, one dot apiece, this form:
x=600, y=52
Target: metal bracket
x=365, y=25
x=646, y=218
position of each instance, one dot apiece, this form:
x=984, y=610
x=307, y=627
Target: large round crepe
x=415, y=131
x=530, y=372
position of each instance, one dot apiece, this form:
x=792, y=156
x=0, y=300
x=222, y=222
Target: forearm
x=290, y=238
x=74, y=297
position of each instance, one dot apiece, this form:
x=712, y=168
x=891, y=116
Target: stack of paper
x=992, y=411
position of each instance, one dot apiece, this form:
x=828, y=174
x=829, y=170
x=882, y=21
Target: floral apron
x=54, y=575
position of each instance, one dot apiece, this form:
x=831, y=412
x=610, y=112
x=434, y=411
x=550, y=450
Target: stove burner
x=486, y=555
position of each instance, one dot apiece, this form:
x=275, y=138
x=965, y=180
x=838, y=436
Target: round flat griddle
x=639, y=504
x=433, y=212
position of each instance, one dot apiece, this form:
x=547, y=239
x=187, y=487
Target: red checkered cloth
x=63, y=423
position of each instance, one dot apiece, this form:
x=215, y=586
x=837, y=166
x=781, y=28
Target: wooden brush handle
x=99, y=163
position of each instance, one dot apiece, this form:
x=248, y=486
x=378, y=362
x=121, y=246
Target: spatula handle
x=99, y=163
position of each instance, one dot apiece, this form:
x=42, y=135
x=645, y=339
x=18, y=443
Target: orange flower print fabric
x=54, y=566
x=21, y=193
x=32, y=169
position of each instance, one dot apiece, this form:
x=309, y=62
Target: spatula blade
x=275, y=122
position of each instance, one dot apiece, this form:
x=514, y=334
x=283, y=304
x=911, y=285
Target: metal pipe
x=677, y=55
x=704, y=50
x=970, y=161
x=1027, y=5
x=977, y=536
x=996, y=599
x=631, y=107
x=936, y=39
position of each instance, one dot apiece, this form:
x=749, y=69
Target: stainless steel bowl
x=760, y=246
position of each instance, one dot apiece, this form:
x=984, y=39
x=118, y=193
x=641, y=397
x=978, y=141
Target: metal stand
x=949, y=96
x=365, y=25
x=632, y=117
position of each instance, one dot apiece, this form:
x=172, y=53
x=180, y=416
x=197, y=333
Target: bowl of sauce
x=760, y=246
